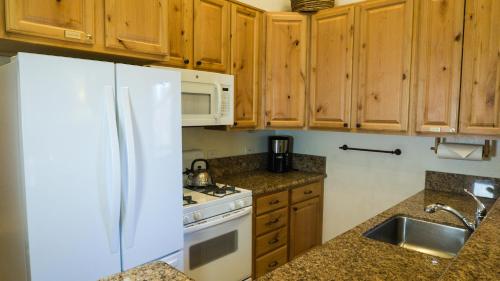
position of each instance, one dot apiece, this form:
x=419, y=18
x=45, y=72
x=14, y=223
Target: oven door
x=219, y=248
x=201, y=103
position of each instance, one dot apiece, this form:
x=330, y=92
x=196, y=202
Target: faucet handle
x=480, y=209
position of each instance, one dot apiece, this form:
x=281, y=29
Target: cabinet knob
x=198, y=63
x=268, y=123
x=273, y=264
x=346, y=125
x=235, y=123
x=274, y=202
x=186, y=61
x=295, y=208
x=358, y=125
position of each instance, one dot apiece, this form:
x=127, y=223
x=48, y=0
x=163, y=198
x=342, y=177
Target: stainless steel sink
x=421, y=236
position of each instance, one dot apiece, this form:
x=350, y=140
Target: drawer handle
x=273, y=264
x=274, y=202
x=273, y=222
x=274, y=241
x=307, y=192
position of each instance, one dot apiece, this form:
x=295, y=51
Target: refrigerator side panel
x=13, y=259
x=150, y=130
x=65, y=108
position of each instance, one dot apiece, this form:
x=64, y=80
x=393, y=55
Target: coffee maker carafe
x=280, y=154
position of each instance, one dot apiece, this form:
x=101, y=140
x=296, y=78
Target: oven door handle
x=224, y=218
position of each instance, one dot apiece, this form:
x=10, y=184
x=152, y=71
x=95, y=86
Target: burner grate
x=216, y=190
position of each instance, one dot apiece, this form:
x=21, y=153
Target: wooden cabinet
x=280, y=231
x=137, y=26
x=437, y=65
x=382, y=68
x=180, y=33
x=332, y=42
x=211, y=35
x=480, y=96
x=286, y=43
x=63, y=20
x=246, y=27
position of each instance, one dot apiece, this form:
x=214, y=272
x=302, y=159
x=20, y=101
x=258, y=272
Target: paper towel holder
x=486, y=147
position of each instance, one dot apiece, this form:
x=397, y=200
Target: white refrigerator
x=91, y=168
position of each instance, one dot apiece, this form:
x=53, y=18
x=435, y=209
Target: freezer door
x=149, y=117
x=71, y=167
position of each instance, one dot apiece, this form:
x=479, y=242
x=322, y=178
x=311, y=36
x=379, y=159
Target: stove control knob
x=197, y=216
x=232, y=206
x=186, y=219
x=240, y=203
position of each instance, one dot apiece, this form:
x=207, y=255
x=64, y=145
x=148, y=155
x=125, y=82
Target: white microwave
x=207, y=98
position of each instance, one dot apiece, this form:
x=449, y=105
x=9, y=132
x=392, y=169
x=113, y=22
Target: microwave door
x=199, y=104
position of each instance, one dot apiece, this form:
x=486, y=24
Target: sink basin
x=421, y=236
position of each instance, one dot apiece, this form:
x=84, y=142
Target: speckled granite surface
x=351, y=256
x=156, y=271
x=451, y=182
x=262, y=181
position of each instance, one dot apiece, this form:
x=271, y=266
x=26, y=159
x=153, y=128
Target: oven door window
x=213, y=249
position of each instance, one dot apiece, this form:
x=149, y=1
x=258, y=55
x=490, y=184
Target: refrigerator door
x=71, y=167
x=149, y=117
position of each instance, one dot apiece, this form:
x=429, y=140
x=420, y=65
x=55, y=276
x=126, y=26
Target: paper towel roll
x=460, y=151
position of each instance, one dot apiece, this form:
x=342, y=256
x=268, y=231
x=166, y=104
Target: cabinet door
x=480, y=97
x=245, y=57
x=305, y=226
x=331, y=68
x=382, y=87
x=211, y=34
x=286, y=45
x=437, y=64
x=180, y=33
x=138, y=26
x=64, y=20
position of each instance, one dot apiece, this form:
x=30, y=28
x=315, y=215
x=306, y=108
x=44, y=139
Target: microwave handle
x=219, y=100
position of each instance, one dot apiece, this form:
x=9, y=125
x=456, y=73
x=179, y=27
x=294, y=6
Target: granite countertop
x=156, y=271
x=351, y=256
x=262, y=181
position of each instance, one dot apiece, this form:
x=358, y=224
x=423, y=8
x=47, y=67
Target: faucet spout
x=432, y=208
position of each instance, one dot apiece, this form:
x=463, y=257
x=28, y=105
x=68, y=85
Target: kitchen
x=344, y=100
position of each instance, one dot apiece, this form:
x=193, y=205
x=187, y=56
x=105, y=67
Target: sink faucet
x=479, y=215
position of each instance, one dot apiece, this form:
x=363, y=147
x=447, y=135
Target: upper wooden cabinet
x=180, y=33
x=437, y=65
x=480, y=97
x=286, y=43
x=63, y=20
x=138, y=26
x=332, y=41
x=246, y=33
x=382, y=71
x=211, y=34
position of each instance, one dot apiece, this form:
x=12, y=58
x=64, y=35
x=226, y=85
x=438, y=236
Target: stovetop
x=216, y=190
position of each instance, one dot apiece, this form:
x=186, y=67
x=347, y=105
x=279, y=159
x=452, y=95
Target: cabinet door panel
x=64, y=20
x=245, y=55
x=139, y=26
x=438, y=63
x=331, y=68
x=383, y=70
x=211, y=34
x=480, y=97
x=180, y=33
x=305, y=226
x=285, y=69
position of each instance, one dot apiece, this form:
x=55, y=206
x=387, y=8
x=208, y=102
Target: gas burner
x=216, y=190
x=188, y=200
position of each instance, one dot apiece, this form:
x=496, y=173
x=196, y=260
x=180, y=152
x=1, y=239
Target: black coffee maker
x=280, y=154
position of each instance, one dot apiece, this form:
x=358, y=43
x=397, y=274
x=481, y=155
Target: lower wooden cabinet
x=285, y=225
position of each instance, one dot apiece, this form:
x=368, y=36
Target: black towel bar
x=395, y=152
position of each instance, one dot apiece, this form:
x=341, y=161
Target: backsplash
x=449, y=182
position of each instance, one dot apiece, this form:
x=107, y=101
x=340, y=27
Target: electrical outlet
x=249, y=150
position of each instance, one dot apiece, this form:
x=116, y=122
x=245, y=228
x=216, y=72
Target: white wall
x=222, y=144
x=4, y=60
x=361, y=184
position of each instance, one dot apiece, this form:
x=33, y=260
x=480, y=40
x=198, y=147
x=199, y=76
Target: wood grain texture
x=437, y=65
x=286, y=44
x=246, y=30
x=330, y=72
x=271, y=202
x=382, y=68
x=137, y=26
x=480, y=96
x=211, y=35
x=305, y=226
x=62, y=20
x=271, y=221
x=306, y=192
x=271, y=241
x=271, y=261
x=180, y=33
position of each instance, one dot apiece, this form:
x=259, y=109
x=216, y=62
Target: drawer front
x=306, y=192
x=271, y=241
x=271, y=221
x=270, y=261
x=272, y=202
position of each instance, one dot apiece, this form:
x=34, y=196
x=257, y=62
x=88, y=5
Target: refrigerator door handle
x=114, y=148
x=131, y=200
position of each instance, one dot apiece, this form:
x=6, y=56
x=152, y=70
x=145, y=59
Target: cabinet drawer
x=270, y=261
x=306, y=192
x=271, y=241
x=271, y=202
x=271, y=221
